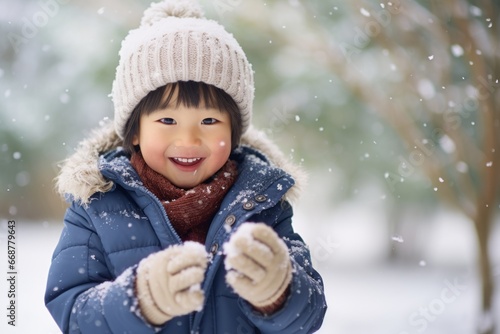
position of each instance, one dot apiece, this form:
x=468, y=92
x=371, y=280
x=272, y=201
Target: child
x=180, y=219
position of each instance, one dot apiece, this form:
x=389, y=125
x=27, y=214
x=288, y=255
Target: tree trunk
x=482, y=225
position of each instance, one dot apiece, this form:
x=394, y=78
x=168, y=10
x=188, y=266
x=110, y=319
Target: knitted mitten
x=169, y=282
x=258, y=265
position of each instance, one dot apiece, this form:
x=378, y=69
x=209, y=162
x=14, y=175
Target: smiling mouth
x=186, y=161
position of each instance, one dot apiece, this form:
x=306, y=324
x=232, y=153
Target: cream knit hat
x=175, y=42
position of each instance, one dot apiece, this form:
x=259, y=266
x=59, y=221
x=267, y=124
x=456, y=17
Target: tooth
x=187, y=160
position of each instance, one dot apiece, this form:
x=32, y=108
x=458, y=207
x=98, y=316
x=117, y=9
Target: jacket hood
x=80, y=177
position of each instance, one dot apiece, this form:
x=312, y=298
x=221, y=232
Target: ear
x=135, y=140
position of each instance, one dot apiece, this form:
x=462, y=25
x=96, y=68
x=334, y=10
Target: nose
x=188, y=136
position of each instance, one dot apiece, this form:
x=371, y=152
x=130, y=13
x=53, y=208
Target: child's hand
x=258, y=264
x=169, y=282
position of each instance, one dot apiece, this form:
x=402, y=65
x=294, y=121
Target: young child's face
x=187, y=145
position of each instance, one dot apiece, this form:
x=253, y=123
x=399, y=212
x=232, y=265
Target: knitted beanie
x=175, y=42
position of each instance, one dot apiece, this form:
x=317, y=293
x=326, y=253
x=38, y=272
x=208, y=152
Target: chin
x=186, y=185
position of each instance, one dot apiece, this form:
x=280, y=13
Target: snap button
x=230, y=220
x=261, y=198
x=214, y=248
x=248, y=205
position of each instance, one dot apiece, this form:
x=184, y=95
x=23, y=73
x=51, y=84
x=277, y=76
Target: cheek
x=222, y=147
x=152, y=148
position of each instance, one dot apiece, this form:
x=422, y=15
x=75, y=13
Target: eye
x=167, y=121
x=209, y=121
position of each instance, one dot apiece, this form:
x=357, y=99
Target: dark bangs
x=190, y=94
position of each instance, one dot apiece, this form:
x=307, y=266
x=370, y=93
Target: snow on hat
x=175, y=42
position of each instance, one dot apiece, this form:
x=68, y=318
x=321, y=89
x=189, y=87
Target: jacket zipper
x=159, y=206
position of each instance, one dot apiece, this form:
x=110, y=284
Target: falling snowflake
x=457, y=50
x=364, y=12
x=398, y=238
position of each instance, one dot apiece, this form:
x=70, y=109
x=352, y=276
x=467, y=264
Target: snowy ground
x=435, y=290
x=437, y=294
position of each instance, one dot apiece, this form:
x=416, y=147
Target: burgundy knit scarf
x=190, y=211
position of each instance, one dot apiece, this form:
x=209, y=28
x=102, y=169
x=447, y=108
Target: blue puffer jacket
x=90, y=286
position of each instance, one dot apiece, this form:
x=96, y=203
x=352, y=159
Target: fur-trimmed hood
x=80, y=177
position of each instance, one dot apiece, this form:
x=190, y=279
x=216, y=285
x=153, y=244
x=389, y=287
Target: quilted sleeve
x=81, y=293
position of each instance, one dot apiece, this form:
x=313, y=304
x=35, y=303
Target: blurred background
x=391, y=106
